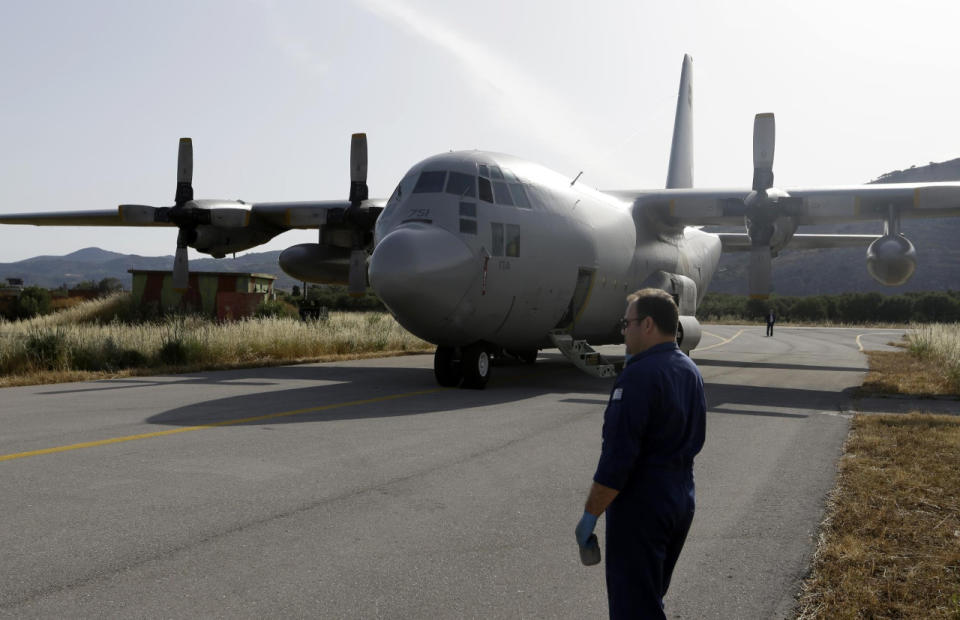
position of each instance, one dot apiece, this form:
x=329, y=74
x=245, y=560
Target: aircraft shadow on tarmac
x=346, y=383
x=511, y=385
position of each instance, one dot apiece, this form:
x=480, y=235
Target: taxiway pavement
x=361, y=490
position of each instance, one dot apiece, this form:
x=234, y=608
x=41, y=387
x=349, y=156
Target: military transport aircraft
x=484, y=254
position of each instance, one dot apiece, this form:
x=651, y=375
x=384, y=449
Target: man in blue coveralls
x=653, y=426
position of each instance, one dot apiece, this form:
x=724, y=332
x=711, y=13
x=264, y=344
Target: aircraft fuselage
x=475, y=246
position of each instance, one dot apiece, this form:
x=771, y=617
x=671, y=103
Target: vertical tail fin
x=680, y=173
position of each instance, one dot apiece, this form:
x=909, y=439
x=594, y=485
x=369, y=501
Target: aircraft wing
x=105, y=217
x=289, y=215
x=695, y=207
x=740, y=242
x=226, y=213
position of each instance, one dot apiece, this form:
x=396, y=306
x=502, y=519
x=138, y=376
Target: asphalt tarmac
x=362, y=490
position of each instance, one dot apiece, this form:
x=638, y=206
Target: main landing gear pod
x=688, y=333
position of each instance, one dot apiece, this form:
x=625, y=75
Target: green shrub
x=106, y=356
x=809, y=309
x=47, y=349
x=33, y=301
x=275, y=308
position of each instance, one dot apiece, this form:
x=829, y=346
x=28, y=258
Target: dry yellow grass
x=73, y=345
x=940, y=343
x=890, y=545
x=903, y=372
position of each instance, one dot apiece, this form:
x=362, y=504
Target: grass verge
x=85, y=343
x=904, y=372
x=890, y=544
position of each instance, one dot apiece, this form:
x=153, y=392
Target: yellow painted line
x=187, y=429
x=722, y=342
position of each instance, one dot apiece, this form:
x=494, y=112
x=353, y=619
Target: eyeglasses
x=624, y=323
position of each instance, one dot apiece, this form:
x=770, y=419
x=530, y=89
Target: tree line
x=931, y=307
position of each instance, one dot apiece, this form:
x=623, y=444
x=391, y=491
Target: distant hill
x=96, y=264
x=816, y=272
x=795, y=272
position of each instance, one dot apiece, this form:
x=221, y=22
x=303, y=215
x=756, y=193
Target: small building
x=225, y=295
x=9, y=293
x=12, y=288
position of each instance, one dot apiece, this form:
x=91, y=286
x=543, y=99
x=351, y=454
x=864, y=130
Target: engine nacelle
x=218, y=241
x=321, y=264
x=891, y=260
x=688, y=333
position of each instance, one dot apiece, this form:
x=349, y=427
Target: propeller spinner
x=185, y=214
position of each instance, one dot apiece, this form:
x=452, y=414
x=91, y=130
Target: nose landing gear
x=468, y=367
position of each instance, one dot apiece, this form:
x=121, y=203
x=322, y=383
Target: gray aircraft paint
x=569, y=227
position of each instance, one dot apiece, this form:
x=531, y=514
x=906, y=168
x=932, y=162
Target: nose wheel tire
x=475, y=362
x=447, y=368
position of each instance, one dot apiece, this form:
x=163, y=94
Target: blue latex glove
x=585, y=528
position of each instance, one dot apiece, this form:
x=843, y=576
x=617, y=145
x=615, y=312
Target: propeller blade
x=358, y=168
x=184, y=172
x=181, y=270
x=138, y=214
x=358, y=273
x=764, y=130
x=760, y=271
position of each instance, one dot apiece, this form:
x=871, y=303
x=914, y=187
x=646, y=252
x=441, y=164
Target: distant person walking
x=653, y=426
x=771, y=319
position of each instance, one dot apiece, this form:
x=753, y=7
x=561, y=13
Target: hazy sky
x=96, y=94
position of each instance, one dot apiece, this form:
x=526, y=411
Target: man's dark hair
x=659, y=305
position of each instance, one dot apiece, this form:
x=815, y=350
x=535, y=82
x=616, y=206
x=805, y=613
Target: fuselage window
x=501, y=193
x=431, y=181
x=496, y=239
x=519, y=196
x=486, y=193
x=495, y=173
x=468, y=209
x=462, y=185
x=513, y=240
x=468, y=227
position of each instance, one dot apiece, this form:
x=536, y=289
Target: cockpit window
x=486, y=193
x=430, y=181
x=501, y=193
x=462, y=185
x=519, y=196
x=495, y=172
x=484, y=172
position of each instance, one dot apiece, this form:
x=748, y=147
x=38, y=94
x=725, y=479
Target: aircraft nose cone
x=421, y=273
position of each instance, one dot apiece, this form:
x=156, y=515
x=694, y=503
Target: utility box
x=224, y=295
